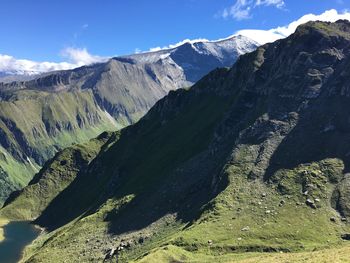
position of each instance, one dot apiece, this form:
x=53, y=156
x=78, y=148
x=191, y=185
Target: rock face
x=206, y=162
x=43, y=115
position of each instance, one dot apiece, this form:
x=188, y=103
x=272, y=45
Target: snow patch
x=32, y=165
x=110, y=118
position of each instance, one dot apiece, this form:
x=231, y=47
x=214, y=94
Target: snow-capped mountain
x=195, y=58
x=198, y=58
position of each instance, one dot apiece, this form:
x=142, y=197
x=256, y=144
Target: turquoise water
x=17, y=236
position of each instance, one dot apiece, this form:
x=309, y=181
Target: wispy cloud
x=239, y=11
x=80, y=31
x=270, y=35
x=75, y=57
x=242, y=9
x=12, y=65
x=81, y=56
x=154, y=49
x=276, y=3
x=265, y=36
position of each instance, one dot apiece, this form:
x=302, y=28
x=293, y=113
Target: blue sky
x=43, y=30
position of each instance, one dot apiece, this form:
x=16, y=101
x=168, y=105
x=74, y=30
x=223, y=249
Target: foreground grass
x=334, y=255
x=175, y=254
x=235, y=227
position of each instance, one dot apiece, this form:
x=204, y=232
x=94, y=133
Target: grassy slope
x=53, y=178
x=86, y=238
x=290, y=227
x=172, y=253
x=240, y=205
x=35, y=120
x=156, y=166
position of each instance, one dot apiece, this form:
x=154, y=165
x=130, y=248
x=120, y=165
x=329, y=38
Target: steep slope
x=41, y=116
x=55, y=176
x=34, y=128
x=250, y=159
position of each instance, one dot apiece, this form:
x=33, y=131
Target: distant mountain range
x=40, y=116
x=252, y=158
x=7, y=77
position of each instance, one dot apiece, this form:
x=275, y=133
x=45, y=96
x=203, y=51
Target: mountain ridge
x=75, y=105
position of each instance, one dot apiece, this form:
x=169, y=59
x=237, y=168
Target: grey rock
x=245, y=228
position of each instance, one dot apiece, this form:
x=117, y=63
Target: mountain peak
x=340, y=28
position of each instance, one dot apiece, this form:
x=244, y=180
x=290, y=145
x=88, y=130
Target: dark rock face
x=341, y=196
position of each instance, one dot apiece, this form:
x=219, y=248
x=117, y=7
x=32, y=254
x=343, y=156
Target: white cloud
x=242, y=8
x=239, y=11
x=12, y=65
x=75, y=57
x=154, y=49
x=277, y=3
x=271, y=35
x=265, y=36
x=80, y=56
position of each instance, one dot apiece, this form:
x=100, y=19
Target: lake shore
x=3, y=222
x=15, y=237
x=24, y=256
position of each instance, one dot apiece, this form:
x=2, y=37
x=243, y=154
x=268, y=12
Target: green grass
x=290, y=228
x=149, y=206
x=53, y=178
x=175, y=254
x=38, y=124
x=90, y=230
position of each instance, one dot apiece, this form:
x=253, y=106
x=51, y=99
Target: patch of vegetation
x=35, y=125
x=53, y=178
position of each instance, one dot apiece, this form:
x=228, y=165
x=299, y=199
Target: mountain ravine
x=252, y=158
x=41, y=116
